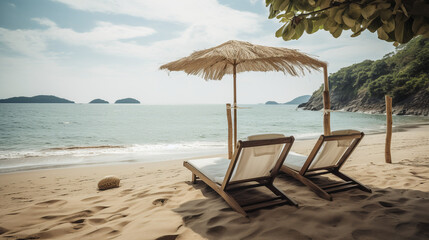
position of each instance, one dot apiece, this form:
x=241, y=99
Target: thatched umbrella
x=233, y=57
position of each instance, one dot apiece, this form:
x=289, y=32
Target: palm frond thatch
x=214, y=63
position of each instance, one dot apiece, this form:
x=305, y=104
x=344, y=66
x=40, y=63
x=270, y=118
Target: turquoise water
x=50, y=135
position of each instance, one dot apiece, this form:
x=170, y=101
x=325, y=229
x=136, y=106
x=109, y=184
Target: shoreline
x=134, y=159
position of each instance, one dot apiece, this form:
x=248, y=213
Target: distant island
x=403, y=75
x=295, y=101
x=36, y=99
x=299, y=100
x=98, y=100
x=271, y=103
x=128, y=101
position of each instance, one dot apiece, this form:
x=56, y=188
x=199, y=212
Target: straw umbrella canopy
x=234, y=56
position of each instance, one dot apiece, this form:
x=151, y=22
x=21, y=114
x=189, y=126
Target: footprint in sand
x=96, y=221
x=214, y=220
x=78, y=221
x=49, y=217
x=167, y=237
x=3, y=230
x=386, y=204
x=102, y=232
x=116, y=216
x=126, y=192
x=358, y=197
x=98, y=208
x=90, y=199
x=363, y=234
x=189, y=218
x=396, y=211
x=217, y=231
x=120, y=210
x=160, y=202
x=52, y=203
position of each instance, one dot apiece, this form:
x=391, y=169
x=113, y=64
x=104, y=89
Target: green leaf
x=417, y=24
x=309, y=27
x=338, y=16
x=383, y=5
x=284, y=5
x=299, y=30
x=348, y=21
x=280, y=31
x=333, y=11
x=273, y=13
x=389, y=25
x=325, y=3
x=289, y=31
x=358, y=32
x=374, y=25
x=382, y=34
x=399, y=30
x=337, y=32
x=408, y=32
x=397, y=4
x=276, y=4
x=354, y=11
x=385, y=15
x=368, y=11
x=289, y=15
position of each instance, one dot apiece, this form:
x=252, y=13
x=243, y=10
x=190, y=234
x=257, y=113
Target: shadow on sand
x=386, y=213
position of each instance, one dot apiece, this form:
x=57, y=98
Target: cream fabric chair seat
x=295, y=161
x=213, y=168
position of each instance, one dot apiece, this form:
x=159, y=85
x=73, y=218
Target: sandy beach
x=157, y=201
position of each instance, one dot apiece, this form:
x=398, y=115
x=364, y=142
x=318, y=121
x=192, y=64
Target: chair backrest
x=334, y=147
x=257, y=157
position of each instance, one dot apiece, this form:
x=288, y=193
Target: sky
x=112, y=49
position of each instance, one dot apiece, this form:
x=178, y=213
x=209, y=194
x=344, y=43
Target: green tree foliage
x=398, y=75
x=395, y=21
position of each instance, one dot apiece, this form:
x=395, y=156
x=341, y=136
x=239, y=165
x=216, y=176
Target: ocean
x=35, y=136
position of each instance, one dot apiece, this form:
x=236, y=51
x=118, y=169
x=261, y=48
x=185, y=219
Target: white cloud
x=27, y=42
x=34, y=42
x=253, y=2
x=208, y=13
x=206, y=23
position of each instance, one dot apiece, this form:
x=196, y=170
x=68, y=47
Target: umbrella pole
x=235, y=103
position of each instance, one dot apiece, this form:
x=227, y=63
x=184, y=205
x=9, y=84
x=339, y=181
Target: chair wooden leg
x=318, y=190
x=194, y=178
x=347, y=178
x=232, y=202
x=280, y=193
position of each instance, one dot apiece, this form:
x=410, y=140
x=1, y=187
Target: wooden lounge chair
x=255, y=163
x=327, y=156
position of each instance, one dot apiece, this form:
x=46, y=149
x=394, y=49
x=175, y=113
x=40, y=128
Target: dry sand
x=157, y=201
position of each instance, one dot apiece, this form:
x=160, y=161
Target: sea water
x=34, y=136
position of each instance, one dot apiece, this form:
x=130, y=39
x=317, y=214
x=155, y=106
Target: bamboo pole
x=389, y=122
x=235, y=103
x=228, y=116
x=326, y=104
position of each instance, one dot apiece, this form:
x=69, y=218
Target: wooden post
x=235, y=103
x=389, y=122
x=326, y=104
x=228, y=116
